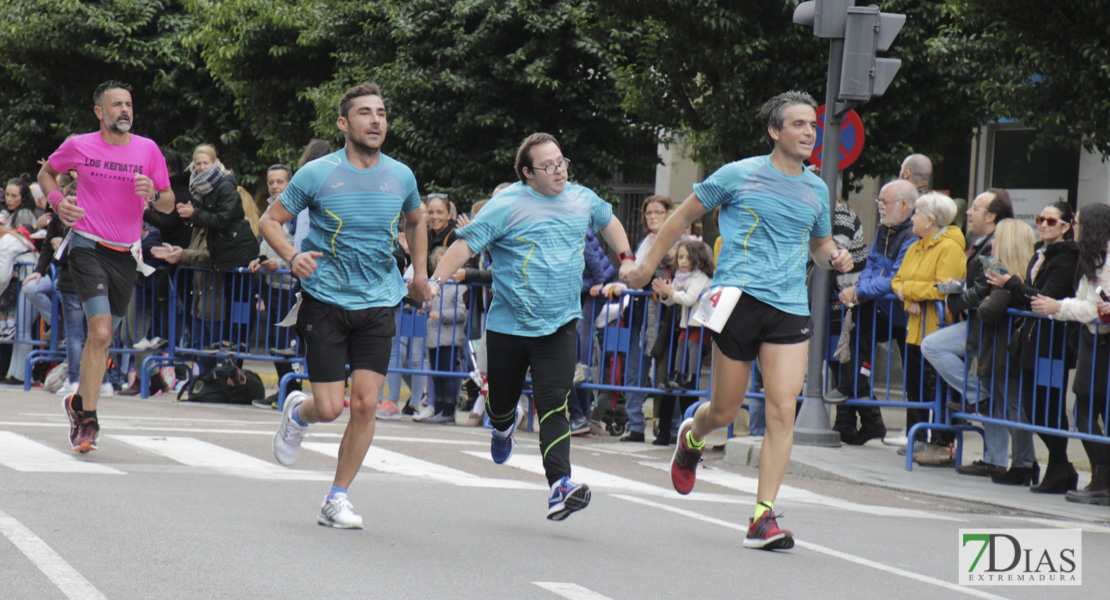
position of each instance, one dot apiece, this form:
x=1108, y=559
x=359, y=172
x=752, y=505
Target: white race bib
x=715, y=307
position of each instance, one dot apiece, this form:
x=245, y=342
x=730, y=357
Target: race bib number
x=715, y=307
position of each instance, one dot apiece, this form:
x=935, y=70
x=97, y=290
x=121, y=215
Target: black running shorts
x=754, y=322
x=335, y=337
x=101, y=273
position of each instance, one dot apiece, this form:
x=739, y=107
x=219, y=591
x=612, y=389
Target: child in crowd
x=444, y=336
x=691, y=280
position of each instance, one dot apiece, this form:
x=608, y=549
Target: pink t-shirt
x=106, y=183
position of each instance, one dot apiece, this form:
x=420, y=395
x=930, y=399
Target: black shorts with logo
x=754, y=322
x=335, y=337
x=98, y=270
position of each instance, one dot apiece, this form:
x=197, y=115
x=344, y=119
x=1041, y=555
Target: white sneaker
x=427, y=411
x=68, y=388
x=287, y=440
x=106, y=390
x=580, y=373
x=142, y=344
x=337, y=512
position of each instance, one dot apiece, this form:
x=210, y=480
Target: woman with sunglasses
x=1093, y=272
x=1051, y=273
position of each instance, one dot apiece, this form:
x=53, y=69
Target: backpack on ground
x=226, y=384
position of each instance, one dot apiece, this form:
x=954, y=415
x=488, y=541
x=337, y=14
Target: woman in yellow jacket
x=936, y=257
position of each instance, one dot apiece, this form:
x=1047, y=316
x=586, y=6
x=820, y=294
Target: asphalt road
x=186, y=501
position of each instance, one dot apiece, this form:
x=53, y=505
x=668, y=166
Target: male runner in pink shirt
x=119, y=173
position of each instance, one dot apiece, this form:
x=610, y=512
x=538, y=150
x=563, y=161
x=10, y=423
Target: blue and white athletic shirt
x=535, y=244
x=767, y=219
x=353, y=217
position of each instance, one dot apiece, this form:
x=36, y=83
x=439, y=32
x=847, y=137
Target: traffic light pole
x=811, y=428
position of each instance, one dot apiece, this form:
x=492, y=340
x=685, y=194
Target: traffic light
x=826, y=16
x=866, y=31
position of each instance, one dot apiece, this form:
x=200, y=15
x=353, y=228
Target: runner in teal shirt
x=773, y=214
x=534, y=231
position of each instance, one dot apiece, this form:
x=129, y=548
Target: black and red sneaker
x=685, y=461
x=74, y=419
x=86, y=436
x=764, y=534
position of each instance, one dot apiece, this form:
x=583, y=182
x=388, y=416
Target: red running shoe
x=86, y=436
x=765, y=534
x=685, y=461
x=74, y=419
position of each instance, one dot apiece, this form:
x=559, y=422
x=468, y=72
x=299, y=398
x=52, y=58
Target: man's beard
x=122, y=125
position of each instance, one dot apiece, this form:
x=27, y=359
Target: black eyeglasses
x=1048, y=221
x=553, y=168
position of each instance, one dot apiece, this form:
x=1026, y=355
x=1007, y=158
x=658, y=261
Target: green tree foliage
x=464, y=81
x=1045, y=64
x=53, y=53
x=702, y=69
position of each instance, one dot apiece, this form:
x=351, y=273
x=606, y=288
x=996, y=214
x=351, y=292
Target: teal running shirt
x=767, y=219
x=353, y=218
x=535, y=245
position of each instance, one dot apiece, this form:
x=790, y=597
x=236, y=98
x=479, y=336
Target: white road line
x=749, y=485
x=57, y=570
x=112, y=425
x=197, y=453
x=386, y=461
x=600, y=480
x=24, y=454
x=571, y=591
x=821, y=550
x=534, y=464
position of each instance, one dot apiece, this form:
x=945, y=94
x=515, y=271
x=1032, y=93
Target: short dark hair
x=365, y=89
x=111, y=84
x=523, y=156
x=773, y=112
x=280, y=167
x=1001, y=207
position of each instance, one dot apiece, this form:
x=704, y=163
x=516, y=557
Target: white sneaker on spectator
x=142, y=344
x=580, y=372
x=106, y=390
x=427, y=411
x=337, y=512
x=68, y=388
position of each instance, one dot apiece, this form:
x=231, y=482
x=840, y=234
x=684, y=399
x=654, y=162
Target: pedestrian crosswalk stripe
x=533, y=463
x=26, y=455
x=198, y=453
x=386, y=461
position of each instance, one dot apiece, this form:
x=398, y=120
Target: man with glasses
x=875, y=321
x=534, y=231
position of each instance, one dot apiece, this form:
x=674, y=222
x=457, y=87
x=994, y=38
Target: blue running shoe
x=501, y=448
x=567, y=497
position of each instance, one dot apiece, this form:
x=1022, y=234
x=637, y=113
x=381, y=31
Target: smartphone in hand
x=992, y=263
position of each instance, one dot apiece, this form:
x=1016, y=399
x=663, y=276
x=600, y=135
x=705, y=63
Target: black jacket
x=230, y=239
x=1055, y=279
x=174, y=229
x=976, y=290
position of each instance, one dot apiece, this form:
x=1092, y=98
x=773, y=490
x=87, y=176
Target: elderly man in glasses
x=875, y=321
x=534, y=231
